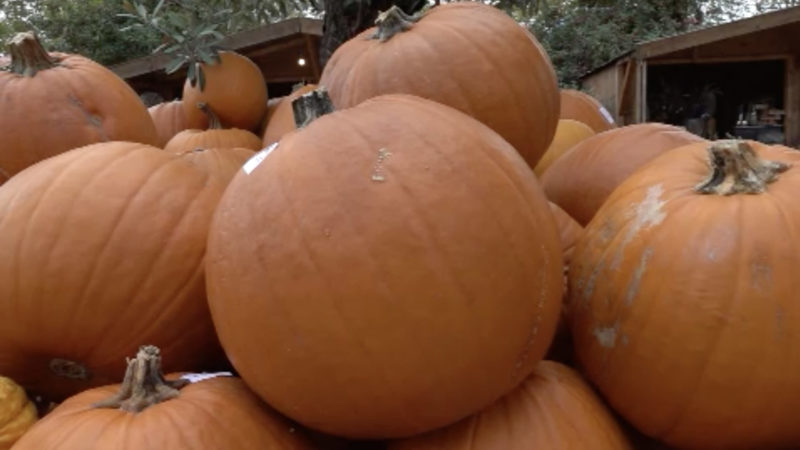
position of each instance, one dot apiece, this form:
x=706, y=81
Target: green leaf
x=158, y=7
x=201, y=78
x=141, y=10
x=191, y=73
x=174, y=65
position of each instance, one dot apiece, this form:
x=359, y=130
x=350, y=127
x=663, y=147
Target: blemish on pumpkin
x=523, y=356
x=92, y=119
x=378, y=171
x=606, y=336
x=588, y=287
x=636, y=281
x=760, y=276
x=644, y=215
x=65, y=368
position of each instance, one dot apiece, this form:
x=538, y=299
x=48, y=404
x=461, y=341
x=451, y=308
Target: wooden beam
x=312, y=47
x=725, y=31
x=791, y=103
x=717, y=59
x=623, y=88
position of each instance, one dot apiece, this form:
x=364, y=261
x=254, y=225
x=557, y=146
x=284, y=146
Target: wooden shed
x=736, y=79
x=286, y=52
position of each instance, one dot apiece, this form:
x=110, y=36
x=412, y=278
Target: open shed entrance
x=719, y=100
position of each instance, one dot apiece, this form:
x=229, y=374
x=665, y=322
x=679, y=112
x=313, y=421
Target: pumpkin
x=468, y=55
x=581, y=179
x=54, y=102
x=221, y=162
x=580, y=106
x=398, y=214
x=234, y=88
x=17, y=413
x=103, y=247
x=272, y=104
x=149, y=411
x=214, y=136
x=170, y=119
x=282, y=119
x=568, y=134
x=552, y=409
x=683, y=297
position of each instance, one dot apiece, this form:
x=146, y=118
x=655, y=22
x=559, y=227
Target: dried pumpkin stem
x=213, y=120
x=28, y=57
x=144, y=384
x=310, y=107
x=392, y=22
x=736, y=169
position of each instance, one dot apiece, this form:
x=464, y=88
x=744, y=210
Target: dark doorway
x=741, y=99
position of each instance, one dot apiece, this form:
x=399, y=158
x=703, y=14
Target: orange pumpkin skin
x=581, y=179
x=356, y=228
x=496, y=71
x=170, y=119
x=234, y=88
x=189, y=140
x=75, y=103
x=553, y=409
x=568, y=134
x=221, y=162
x=683, y=306
x=568, y=229
x=580, y=106
x=108, y=233
x=17, y=413
x=282, y=119
x=217, y=413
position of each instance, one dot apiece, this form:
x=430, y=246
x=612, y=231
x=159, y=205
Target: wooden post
x=791, y=103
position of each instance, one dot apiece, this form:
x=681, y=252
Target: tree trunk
x=344, y=19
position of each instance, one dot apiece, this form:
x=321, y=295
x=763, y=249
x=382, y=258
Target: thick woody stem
x=28, y=57
x=213, y=121
x=144, y=384
x=392, y=22
x=736, y=169
x=311, y=106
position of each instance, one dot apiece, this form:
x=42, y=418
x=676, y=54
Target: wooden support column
x=792, y=102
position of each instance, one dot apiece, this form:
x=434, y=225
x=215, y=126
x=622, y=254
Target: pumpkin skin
x=189, y=140
x=500, y=75
x=282, y=119
x=683, y=306
x=17, y=413
x=216, y=413
x=221, y=162
x=582, y=178
x=234, y=88
x=355, y=230
x=74, y=103
x=94, y=235
x=553, y=409
x=568, y=134
x=170, y=119
x=580, y=106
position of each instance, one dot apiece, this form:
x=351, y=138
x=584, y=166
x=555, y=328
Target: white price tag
x=258, y=158
x=606, y=114
x=196, y=377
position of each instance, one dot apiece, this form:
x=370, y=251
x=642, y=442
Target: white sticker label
x=606, y=114
x=197, y=377
x=258, y=158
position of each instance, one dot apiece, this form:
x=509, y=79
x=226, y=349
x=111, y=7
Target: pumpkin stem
x=213, y=121
x=735, y=168
x=392, y=22
x=28, y=57
x=310, y=107
x=144, y=384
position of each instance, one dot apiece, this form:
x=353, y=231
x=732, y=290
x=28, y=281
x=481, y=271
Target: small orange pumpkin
x=568, y=134
x=580, y=106
x=282, y=119
x=234, y=88
x=214, y=137
x=170, y=119
x=148, y=411
x=554, y=409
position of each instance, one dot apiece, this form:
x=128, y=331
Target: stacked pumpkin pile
x=388, y=267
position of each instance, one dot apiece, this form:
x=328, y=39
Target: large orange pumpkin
x=192, y=412
x=582, y=178
x=54, y=102
x=568, y=134
x=234, y=88
x=580, y=106
x=467, y=55
x=17, y=413
x=102, y=247
x=684, y=297
x=282, y=119
x=170, y=119
x=553, y=409
x=396, y=261
x=213, y=137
